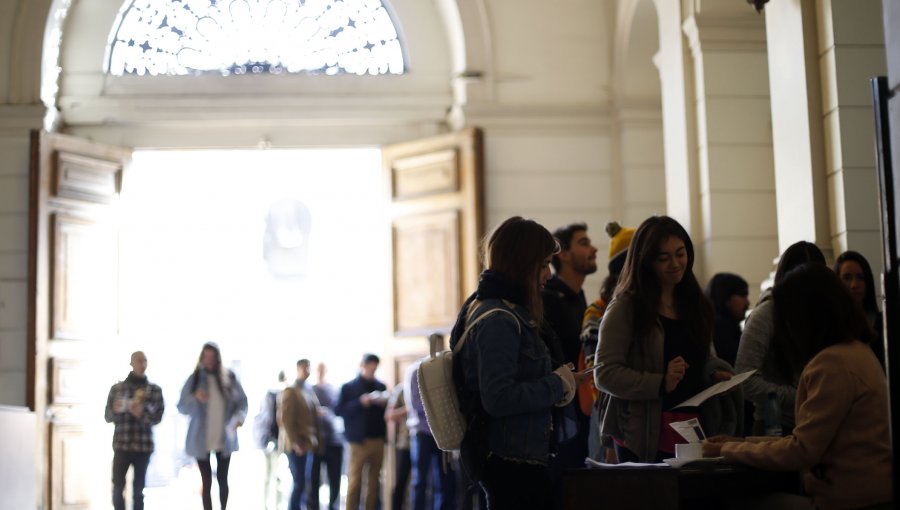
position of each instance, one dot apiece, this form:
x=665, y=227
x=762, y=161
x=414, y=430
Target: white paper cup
x=689, y=451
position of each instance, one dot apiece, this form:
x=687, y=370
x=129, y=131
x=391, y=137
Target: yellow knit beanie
x=619, y=240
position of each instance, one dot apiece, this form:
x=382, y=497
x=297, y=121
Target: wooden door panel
x=84, y=279
x=427, y=271
x=73, y=311
x=435, y=188
x=425, y=174
x=71, y=483
x=86, y=178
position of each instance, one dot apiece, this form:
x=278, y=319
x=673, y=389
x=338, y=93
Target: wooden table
x=664, y=488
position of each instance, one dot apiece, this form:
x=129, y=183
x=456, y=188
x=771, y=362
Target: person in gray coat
x=757, y=352
x=654, y=348
x=216, y=403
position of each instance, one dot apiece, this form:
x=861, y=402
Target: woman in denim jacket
x=504, y=375
x=216, y=403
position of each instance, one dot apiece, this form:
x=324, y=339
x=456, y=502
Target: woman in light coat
x=216, y=403
x=757, y=352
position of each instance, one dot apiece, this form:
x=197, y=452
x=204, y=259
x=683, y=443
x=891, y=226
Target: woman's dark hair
x=869, y=303
x=721, y=287
x=516, y=249
x=608, y=287
x=639, y=280
x=796, y=254
x=222, y=379
x=813, y=309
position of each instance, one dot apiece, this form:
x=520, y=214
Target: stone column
x=797, y=129
x=851, y=50
x=679, y=122
x=15, y=123
x=734, y=140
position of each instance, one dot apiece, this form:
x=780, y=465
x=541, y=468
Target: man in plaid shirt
x=134, y=405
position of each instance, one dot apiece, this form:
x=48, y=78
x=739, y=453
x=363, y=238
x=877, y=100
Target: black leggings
x=512, y=485
x=222, y=462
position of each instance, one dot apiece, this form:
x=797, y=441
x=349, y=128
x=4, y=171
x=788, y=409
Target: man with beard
x=564, y=306
x=564, y=301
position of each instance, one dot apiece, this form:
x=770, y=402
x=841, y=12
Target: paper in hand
x=715, y=389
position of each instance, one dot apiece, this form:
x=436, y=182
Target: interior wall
x=891, y=24
x=637, y=96
x=21, y=34
x=553, y=177
x=851, y=50
x=13, y=255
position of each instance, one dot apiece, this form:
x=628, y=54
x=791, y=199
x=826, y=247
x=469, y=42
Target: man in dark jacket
x=564, y=306
x=564, y=301
x=134, y=406
x=361, y=404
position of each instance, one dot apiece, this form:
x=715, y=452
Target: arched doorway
x=152, y=112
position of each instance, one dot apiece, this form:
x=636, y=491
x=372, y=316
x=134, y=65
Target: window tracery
x=234, y=37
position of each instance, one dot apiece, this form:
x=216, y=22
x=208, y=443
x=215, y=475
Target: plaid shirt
x=133, y=434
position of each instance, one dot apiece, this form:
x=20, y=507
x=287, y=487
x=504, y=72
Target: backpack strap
x=492, y=311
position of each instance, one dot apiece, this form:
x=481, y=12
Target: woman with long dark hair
x=216, y=403
x=841, y=439
x=756, y=351
x=503, y=373
x=854, y=270
x=654, y=343
x=728, y=294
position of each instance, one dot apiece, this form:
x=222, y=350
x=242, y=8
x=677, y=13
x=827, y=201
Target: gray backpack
x=438, y=391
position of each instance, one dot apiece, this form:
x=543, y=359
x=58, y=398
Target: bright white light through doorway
x=275, y=255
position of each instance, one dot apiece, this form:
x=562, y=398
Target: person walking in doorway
x=134, y=405
x=215, y=402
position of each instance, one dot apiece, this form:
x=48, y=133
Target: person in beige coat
x=841, y=438
x=300, y=429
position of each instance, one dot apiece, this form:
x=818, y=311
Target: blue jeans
x=427, y=458
x=401, y=477
x=297, y=463
x=333, y=459
x=121, y=461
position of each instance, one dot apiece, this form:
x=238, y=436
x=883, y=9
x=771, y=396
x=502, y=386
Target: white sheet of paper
x=690, y=430
x=591, y=463
x=715, y=389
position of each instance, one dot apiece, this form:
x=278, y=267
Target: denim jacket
x=507, y=363
x=235, y=411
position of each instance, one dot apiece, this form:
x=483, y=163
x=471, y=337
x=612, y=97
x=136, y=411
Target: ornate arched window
x=182, y=37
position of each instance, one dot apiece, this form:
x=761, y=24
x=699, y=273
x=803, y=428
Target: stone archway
x=636, y=98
